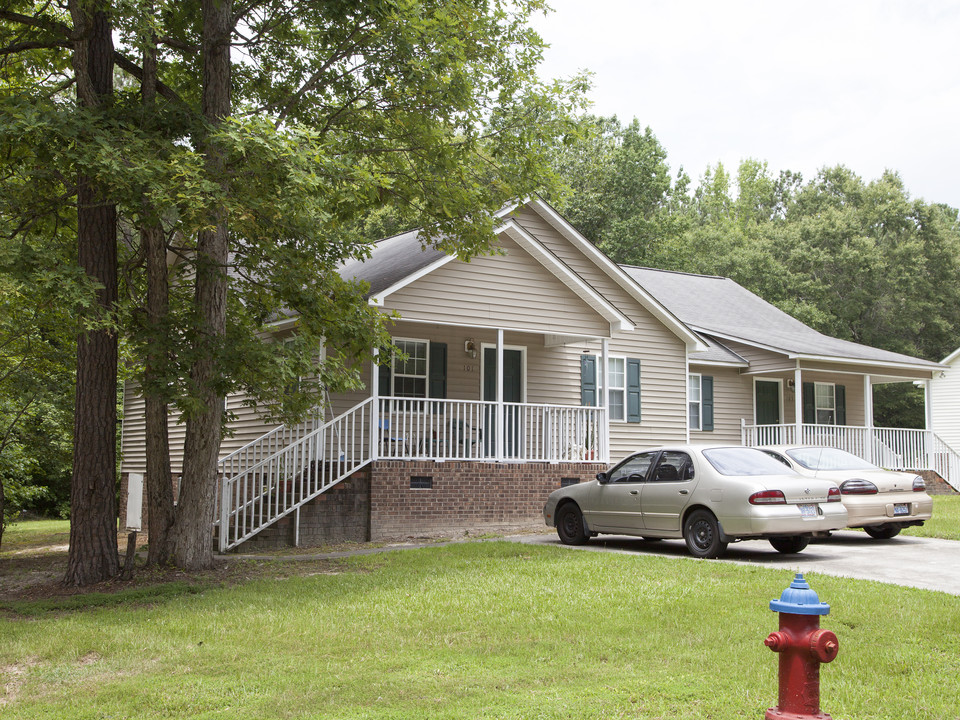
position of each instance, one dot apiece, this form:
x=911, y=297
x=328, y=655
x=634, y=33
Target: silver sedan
x=708, y=495
x=882, y=502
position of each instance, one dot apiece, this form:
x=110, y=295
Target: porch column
x=868, y=418
x=798, y=403
x=605, y=428
x=928, y=424
x=500, y=413
x=374, y=406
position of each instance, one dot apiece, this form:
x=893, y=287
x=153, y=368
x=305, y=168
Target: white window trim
x=816, y=408
x=699, y=376
x=393, y=368
x=598, y=380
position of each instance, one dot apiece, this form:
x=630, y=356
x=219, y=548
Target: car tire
x=882, y=532
x=789, y=545
x=701, y=532
x=570, y=528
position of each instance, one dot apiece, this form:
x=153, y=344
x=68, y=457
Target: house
x=526, y=370
x=945, y=400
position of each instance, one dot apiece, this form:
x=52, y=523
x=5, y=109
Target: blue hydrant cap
x=799, y=599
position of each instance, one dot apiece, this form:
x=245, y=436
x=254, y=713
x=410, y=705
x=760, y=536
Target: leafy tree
x=619, y=192
x=249, y=147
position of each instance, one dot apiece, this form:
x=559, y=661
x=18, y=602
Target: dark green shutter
x=809, y=404
x=633, y=390
x=438, y=371
x=706, y=402
x=840, y=401
x=588, y=380
x=385, y=376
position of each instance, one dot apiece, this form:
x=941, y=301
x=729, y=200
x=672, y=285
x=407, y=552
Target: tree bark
x=160, y=508
x=93, y=553
x=193, y=536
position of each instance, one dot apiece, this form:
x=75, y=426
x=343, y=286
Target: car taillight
x=918, y=484
x=768, y=497
x=833, y=494
x=858, y=487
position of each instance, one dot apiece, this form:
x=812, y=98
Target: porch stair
x=279, y=472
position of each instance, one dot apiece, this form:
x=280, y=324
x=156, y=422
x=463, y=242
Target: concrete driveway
x=912, y=561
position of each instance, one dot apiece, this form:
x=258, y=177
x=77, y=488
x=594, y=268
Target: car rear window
x=824, y=458
x=744, y=461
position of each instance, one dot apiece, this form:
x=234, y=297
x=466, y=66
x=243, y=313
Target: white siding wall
x=945, y=404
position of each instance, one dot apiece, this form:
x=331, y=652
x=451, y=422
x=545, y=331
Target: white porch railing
x=434, y=429
x=289, y=466
x=892, y=448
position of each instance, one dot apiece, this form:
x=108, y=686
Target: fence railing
x=892, y=448
x=266, y=480
x=435, y=429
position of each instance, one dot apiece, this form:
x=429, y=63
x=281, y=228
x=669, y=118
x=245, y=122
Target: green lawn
x=945, y=522
x=476, y=630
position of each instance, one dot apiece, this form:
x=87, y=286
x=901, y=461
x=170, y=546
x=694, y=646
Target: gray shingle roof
x=392, y=260
x=719, y=306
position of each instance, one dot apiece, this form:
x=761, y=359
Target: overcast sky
x=867, y=84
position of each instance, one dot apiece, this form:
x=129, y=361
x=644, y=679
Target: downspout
x=928, y=423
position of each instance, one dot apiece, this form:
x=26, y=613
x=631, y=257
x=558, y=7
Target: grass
x=945, y=522
x=476, y=630
x=35, y=536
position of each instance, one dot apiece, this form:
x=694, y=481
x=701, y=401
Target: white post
x=500, y=413
x=928, y=424
x=798, y=403
x=224, y=513
x=374, y=405
x=868, y=417
x=296, y=527
x=605, y=428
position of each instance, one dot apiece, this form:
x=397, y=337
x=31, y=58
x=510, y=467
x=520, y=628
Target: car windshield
x=824, y=458
x=744, y=461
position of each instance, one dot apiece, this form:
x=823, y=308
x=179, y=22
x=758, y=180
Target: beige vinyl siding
x=945, y=405
x=510, y=291
x=732, y=402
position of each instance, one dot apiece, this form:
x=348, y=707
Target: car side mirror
x=603, y=478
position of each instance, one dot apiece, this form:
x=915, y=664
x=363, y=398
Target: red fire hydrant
x=802, y=646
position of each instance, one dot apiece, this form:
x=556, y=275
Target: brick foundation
x=936, y=485
x=465, y=496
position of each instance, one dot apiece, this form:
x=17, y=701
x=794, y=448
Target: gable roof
x=720, y=307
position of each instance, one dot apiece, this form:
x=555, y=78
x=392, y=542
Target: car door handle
x=684, y=492
x=634, y=492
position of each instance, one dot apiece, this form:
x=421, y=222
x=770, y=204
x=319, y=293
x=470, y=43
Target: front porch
x=891, y=448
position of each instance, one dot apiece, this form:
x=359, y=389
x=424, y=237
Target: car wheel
x=882, y=532
x=791, y=544
x=570, y=525
x=702, y=535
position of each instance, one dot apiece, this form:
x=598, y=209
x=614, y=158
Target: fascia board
x=379, y=299
x=671, y=321
x=617, y=320
x=951, y=357
x=718, y=363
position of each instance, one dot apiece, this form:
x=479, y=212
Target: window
x=633, y=469
x=694, y=396
x=674, y=466
x=825, y=404
x=410, y=375
x=618, y=384
x=700, y=401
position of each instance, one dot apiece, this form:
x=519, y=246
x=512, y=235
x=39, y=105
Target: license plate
x=901, y=509
x=808, y=511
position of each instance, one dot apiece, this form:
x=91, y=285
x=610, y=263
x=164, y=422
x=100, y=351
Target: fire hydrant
x=802, y=646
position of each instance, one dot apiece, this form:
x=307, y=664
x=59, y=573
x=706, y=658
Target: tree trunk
x=93, y=553
x=193, y=536
x=160, y=508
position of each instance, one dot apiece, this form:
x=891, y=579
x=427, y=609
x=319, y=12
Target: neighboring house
x=945, y=400
x=526, y=370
